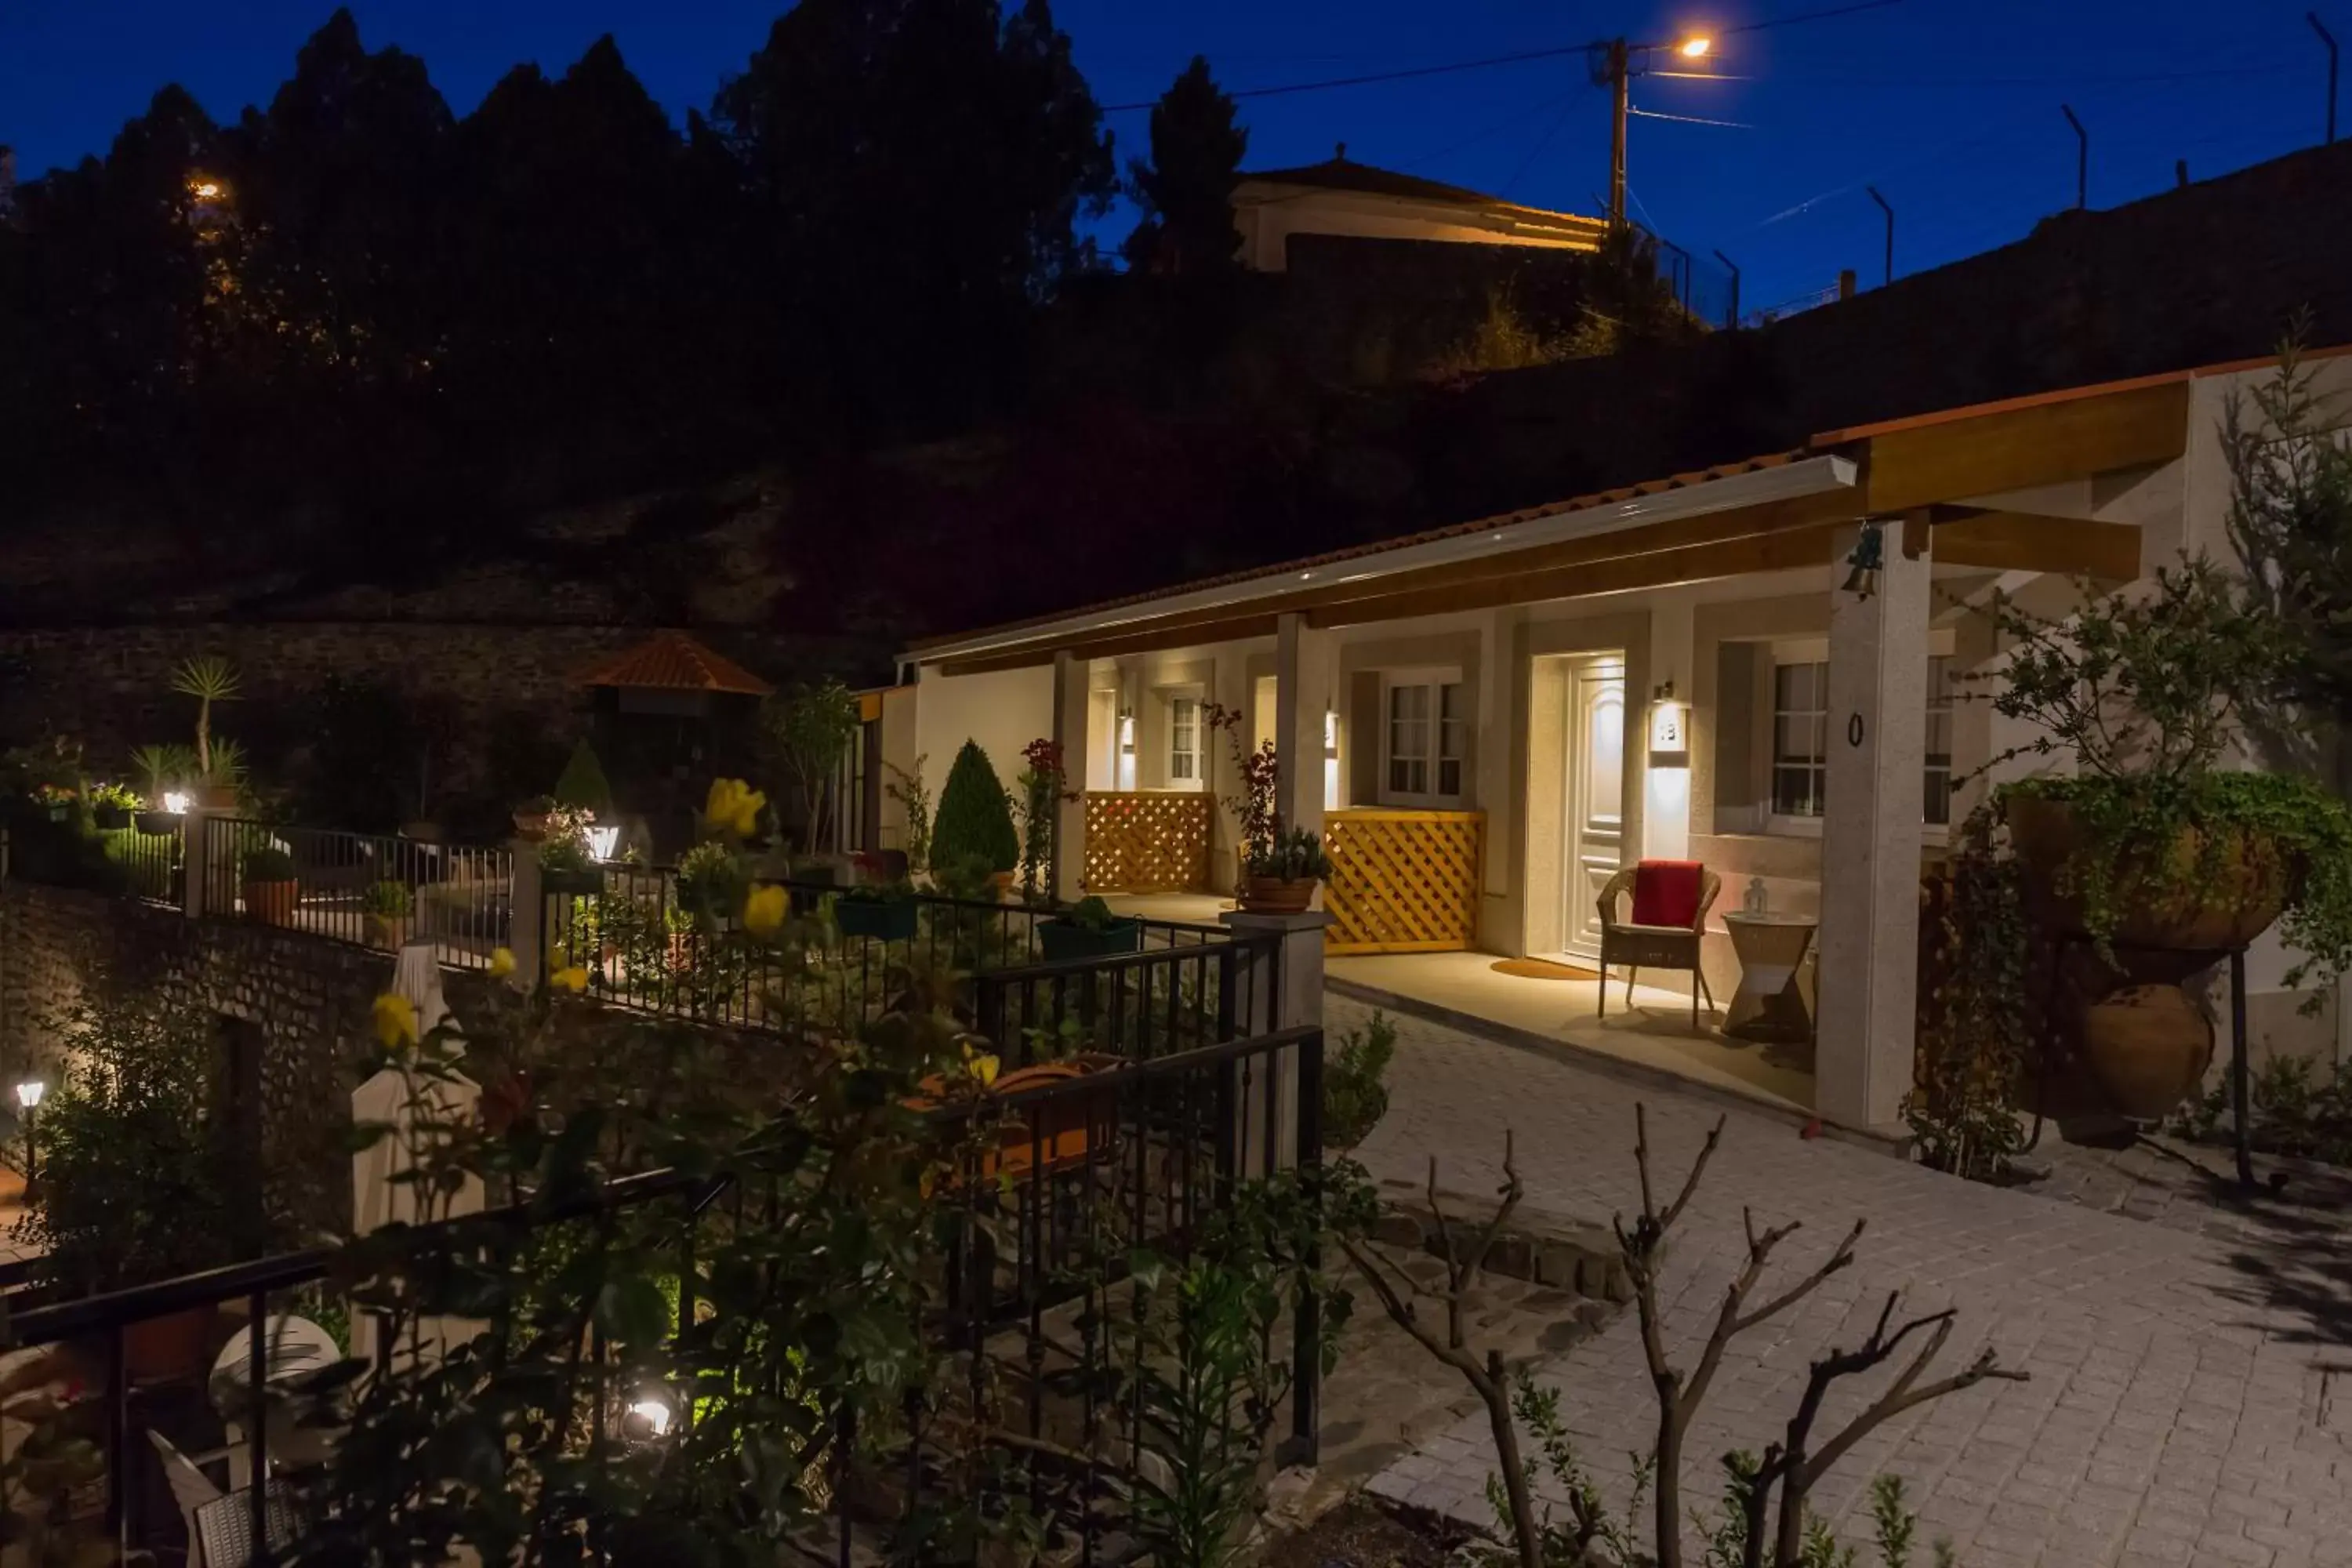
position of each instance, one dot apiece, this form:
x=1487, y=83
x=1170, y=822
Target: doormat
x=1540, y=969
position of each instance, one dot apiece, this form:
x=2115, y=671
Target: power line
x=1523, y=56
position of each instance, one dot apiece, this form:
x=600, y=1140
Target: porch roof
x=1769, y=512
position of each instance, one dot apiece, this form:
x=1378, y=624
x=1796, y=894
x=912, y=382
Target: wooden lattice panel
x=1147, y=841
x=1403, y=881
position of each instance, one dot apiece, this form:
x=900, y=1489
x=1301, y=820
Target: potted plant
x=880, y=911
x=270, y=883
x=134, y=1186
x=532, y=816
x=565, y=867
x=55, y=801
x=111, y=805
x=163, y=771
x=975, y=820
x=1088, y=929
x=1284, y=872
x=209, y=679
x=710, y=882
x=386, y=907
x=2148, y=847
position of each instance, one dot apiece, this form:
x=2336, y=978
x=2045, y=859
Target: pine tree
x=975, y=820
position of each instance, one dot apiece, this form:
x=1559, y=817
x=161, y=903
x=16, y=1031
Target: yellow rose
x=394, y=1018
x=572, y=978
x=764, y=909
x=733, y=807
x=502, y=963
x=982, y=1065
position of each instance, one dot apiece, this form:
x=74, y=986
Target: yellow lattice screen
x=1403, y=881
x=1147, y=841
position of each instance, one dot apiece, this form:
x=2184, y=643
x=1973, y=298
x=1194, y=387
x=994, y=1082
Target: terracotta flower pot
x=173, y=1348
x=1277, y=895
x=215, y=797
x=2209, y=910
x=272, y=903
x=2149, y=1046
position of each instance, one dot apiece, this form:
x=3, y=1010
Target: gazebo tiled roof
x=673, y=661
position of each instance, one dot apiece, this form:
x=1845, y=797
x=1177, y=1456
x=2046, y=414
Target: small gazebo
x=671, y=713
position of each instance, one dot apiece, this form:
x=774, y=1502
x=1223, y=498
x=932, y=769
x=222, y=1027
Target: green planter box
x=882, y=920
x=1062, y=941
x=572, y=884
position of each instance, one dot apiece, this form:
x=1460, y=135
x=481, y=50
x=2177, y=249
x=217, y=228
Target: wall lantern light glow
x=602, y=841
x=1127, y=731
x=1330, y=730
x=176, y=802
x=29, y=1092
x=649, y=1414
x=1669, y=730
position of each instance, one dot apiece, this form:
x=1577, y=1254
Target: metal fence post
x=1307, y=1328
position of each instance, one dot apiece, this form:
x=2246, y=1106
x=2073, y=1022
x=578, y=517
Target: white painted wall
x=1003, y=710
x=1268, y=215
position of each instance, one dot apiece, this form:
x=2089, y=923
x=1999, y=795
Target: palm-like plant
x=208, y=679
x=163, y=766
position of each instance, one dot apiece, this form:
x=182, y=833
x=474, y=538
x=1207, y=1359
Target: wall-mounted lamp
x=648, y=1417
x=1869, y=555
x=1126, y=731
x=1669, y=729
x=1330, y=730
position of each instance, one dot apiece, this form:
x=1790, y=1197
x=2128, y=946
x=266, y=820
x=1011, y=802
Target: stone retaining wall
x=307, y=1000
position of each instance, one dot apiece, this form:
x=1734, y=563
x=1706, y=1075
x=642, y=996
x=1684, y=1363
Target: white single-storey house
x=1489, y=720
x=1362, y=202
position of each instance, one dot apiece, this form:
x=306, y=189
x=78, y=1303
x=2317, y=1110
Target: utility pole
x=2325, y=38
x=1620, y=74
x=1890, y=231
x=2082, y=159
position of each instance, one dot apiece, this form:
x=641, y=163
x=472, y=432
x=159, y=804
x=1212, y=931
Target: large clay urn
x=2149, y=1046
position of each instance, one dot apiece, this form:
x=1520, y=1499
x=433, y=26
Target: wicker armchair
x=1664, y=891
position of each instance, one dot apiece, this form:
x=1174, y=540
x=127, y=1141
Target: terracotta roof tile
x=673, y=661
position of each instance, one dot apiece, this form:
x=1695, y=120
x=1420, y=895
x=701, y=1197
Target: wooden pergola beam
x=2035, y=542
x=2030, y=445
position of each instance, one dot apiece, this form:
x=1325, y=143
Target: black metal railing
x=1058, y=1178
x=644, y=942
x=149, y=864
x=1135, y=1006
x=361, y=889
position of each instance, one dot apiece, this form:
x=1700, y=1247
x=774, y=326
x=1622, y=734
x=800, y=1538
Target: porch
x=1751, y=668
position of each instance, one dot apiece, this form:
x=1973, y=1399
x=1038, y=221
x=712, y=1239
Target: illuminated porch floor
x=1654, y=1041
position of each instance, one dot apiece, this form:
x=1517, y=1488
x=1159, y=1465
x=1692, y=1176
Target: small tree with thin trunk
x=1789, y=1468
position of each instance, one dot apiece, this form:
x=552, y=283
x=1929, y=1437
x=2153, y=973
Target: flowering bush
x=1042, y=787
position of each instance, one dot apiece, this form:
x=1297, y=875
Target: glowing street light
x=28, y=1098
x=649, y=1417
x=29, y=1092
x=1695, y=48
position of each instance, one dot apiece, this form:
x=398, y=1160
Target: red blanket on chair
x=1665, y=892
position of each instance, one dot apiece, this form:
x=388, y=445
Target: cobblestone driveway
x=2191, y=1399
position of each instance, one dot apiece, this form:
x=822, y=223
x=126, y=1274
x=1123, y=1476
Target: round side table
x=1769, y=1005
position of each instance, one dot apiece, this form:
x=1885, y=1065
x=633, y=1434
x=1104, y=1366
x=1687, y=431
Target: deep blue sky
x=1950, y=107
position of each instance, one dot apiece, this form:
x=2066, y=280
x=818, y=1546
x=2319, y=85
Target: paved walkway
x=2191, y=1399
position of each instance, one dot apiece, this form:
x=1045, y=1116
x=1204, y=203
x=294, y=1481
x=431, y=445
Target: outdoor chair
x=191, y=1489
x=1670, y=899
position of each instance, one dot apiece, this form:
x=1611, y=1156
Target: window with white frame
x=1183, y=741
x=1427, y=737
x=1799, y=766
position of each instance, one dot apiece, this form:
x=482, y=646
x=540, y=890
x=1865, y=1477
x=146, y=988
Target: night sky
x=1950, y=107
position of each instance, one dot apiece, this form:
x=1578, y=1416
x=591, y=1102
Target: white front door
x=1596, y=796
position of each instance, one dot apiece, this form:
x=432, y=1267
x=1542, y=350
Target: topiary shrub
x=583, y=782
x=975, y=820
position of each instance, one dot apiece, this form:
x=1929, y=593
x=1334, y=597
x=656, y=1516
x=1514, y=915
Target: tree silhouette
x=1186, y=190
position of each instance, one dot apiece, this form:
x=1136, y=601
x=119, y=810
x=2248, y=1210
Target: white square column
x=1070, y=731
x=1306, y=671
x=1869, y=980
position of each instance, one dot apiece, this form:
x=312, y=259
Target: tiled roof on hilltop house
x=1342, y=173
x=673, y=661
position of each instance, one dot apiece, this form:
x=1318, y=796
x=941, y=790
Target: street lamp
x=28, y=1099
x=1615, y=64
